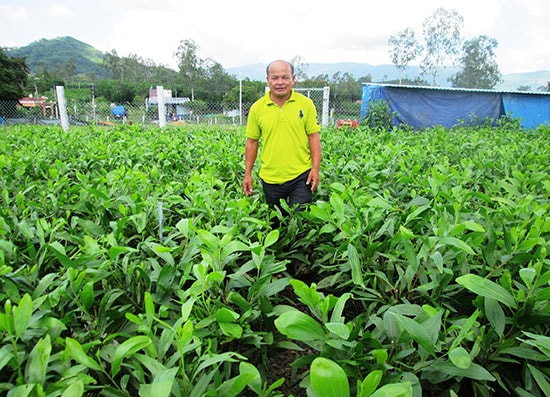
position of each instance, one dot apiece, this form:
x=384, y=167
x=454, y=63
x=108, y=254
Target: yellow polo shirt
x=284, y=134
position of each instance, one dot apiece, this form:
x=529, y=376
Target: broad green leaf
x=75, y=389
x=126, y=349
x=77, y=353
x=394, y=390
x=495, y=315
x=525, y=353
x=474, y=371
x=355, y=265
x=528, y=276
x=21, y=391
x=540, y=341
x=328, y=379
x=255, y=382
x=339, y=329
x=473, y=226
x=5, y=356
x=214, y=359
x=231, y=329
x=455, y=242
x=417, y=332
x=336, y=316
x=37, y=365
x=370, y=383
x=380, y=355
x=149, y=307
x=271, y=238
x=87, y=294
x=297, y=325
x=234, y=386
x=232, y=247
x=117, y=250
x=209, y=239
x=460, y=357
x=487, y=289
x=59, y=252
x=224, y=315
x=22, y=315
x=541, y=378
x=379, y=202
x=162, y=384
x=308, y=295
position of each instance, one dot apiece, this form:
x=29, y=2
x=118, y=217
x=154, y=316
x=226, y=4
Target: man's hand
x=313, y=180
x=247, y=185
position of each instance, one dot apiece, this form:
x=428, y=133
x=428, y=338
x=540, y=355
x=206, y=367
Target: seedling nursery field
x=131, y=264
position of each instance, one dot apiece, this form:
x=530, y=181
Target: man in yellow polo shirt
x=286, y=122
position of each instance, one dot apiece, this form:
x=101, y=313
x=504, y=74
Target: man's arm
x=250, y=153
x=315, y=151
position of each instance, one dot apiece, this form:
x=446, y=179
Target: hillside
x=56, y=53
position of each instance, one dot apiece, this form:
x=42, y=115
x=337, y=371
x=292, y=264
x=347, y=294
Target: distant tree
x=215, y=82
x=13, y=76
x=190, y=66
x=479, y=65
x=300, y=67
x=403, y=48
x=524, y=88
x=443, y=38
x=112, y=64
x=251, y=91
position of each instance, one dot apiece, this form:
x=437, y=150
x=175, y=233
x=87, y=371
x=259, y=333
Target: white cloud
x=240, y=32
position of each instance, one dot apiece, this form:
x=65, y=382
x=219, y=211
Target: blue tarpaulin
x=118, y=111
x=423, y=107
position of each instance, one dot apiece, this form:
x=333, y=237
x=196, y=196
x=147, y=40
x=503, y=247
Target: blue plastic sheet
x=424, y=107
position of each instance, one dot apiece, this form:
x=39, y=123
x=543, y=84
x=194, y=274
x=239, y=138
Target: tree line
x=128, y=79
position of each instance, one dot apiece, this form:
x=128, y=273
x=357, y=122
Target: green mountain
x=58, y=53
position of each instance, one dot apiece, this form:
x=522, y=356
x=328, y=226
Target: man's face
x=280, y=79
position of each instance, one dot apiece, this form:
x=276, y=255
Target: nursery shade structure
x=423, y=107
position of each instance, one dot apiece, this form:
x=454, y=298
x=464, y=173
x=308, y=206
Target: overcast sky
x=240, y=32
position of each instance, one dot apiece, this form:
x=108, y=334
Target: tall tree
x=443, y=38
x=403, y=48
x=190, y=66
x=13, y=76
x=300, y=67
x=479, y=65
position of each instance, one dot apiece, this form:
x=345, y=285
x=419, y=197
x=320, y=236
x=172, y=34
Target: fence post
x=161, y=105
x=62, y=105
x=324, y=116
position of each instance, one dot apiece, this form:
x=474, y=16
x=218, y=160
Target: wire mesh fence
x=42, y=110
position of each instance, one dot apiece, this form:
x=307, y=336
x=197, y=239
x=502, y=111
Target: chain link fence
x=42, y=110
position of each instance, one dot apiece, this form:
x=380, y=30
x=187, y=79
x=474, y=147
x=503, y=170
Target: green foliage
x=479, y=66
x=13, y=75
x=378, y=118
x=56, y=55
x=132, y=265
x=442, y=40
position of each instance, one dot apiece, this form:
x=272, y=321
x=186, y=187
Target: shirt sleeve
x=312, y=125
x=252, y=126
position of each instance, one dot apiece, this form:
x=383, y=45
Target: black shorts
x=294, y=192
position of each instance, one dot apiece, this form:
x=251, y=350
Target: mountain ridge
x=56, y=53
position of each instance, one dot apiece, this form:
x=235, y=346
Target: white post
x=62, y=104
x=240, y=101
x=161, y=105
x=324, y=117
